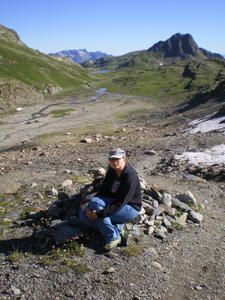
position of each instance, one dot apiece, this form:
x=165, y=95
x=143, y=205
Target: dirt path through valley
x=40, y=119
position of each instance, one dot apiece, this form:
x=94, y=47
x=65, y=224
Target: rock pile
x=164, y=212
x=161, y=213
x=208, y=172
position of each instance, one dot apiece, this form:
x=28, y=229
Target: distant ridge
x=182, y=46
x=80, y=55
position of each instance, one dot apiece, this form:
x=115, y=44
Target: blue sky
x=115, y=27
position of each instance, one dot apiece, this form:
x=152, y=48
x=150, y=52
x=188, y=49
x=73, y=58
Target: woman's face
x=118, y=164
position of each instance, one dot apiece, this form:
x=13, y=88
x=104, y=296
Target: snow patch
x=206, y=124
x=212, y=156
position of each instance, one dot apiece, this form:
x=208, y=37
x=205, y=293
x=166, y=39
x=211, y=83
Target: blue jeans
x=110, y=227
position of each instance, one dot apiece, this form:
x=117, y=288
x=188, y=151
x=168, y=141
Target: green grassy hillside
x=34, y=68
x=23, y=67
x=168, y=81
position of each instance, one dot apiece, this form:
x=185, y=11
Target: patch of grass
x=75, y=249
x=176, y=226
x=179, y=212
x=74, y=265
x=59, y=113
x=9, y=202
x=45, y=137
x=79, y=179
x=5, y=222
x=133, y=250
x=48, y=260
x=64, y=258
x=81, y=268
x=15, y=256
x=26, y=211
x=62, y=270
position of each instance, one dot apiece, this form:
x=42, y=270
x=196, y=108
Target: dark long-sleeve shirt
x=125, y=189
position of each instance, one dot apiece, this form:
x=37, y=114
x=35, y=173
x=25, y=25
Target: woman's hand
x=91, y=214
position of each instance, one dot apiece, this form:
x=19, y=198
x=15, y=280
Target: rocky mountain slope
x=177, y=47
x=26, y=75
x=80, y=55
x=181, y=46
x=171, y=72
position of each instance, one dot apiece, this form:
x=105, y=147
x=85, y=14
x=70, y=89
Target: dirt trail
x=39, y=119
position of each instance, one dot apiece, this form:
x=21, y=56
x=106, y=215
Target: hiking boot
x=124, y=238
x=112, y=244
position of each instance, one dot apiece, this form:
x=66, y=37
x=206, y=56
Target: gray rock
x=148, y=208
x=63, y=232
x=155, y=203
x=109, y=270
x=194, y=178
x=39, y=195
x=53, y=191
x=33, y=185
x=157, y=265
x=56, y=222
x=178, y=204
x=96, y=172
x=143, y=183
x=150, y=230
x=149, y=223
x=187, y=198
x=195, y=216
x=161, y=232
x=86, y=140
x=51, y=89
x=150, y=152
x=15, y=290
x=67, y=183
x=158, y=211
x=166, y=199
x=166, y=222
x=170, y=211
x=136, y=232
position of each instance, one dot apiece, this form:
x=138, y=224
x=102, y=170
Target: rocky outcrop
x=16, y=93
x=181, y=46
x=53, y=90
x=9, y=34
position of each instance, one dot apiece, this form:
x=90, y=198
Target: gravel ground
x=188, y=264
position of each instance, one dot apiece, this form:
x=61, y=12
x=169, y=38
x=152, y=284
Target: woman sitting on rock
x=117, y=202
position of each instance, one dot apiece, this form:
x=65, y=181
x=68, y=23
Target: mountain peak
x=80, y=55
x=180, y=46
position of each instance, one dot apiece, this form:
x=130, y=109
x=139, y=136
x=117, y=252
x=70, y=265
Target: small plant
x=62, y=270
x=73, y=248
x=133, y=250
x=49, y=260
x=81, y=268
x=176, y=226
x=79, y=179
x=179, y=213
x=15, y=256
